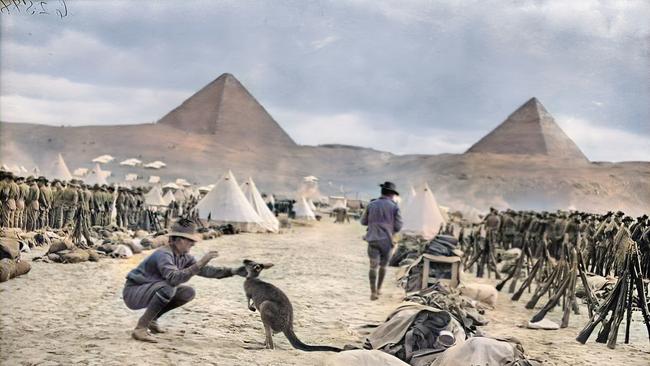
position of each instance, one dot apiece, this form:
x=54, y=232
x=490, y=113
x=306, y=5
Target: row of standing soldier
x=37, y=203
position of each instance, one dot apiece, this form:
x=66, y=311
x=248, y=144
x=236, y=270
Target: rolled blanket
x=60, y=244
x=9, y=248
x=21, y=268
x=7, y=267
x=75, y=256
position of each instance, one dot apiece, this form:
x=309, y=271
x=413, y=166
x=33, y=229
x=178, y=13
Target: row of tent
x=59, y=170
x=241, y=206
x=105, y=159
x=155, y=197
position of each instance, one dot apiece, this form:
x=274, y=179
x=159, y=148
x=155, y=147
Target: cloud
x=358, y=129
x=318, y=44
x=55, y=100
x=603, y=143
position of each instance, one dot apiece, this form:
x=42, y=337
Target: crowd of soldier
x=34, y=203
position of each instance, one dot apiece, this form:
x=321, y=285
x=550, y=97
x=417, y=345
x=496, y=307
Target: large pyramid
x=530, y=130
x=226, y=109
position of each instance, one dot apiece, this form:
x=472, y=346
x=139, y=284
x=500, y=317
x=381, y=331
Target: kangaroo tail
x=297, y=344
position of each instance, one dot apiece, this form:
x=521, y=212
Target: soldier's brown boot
x=155, y=328
x=142, y=335
x=372, y=277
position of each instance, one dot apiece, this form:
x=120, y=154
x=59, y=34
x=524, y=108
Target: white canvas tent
x=311, y=204
x=303, y=211
x=131, y=162
x=270, y=199
x=153, y=179
x=422, y=215
x=253, y=196
x=169, y=197
x=103, y=159
x=226, y=203
x=59, y=170
x=80, y=172
x=96, y=176
x=155, y=165
x=205, y=189
x=171, y=185
x=183, y=182
x=131, y=177
x=444, y=211
x=195, y=192
x=404, y=201
x=180, y=195
x=154, y=197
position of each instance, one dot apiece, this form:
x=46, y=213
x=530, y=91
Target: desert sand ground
x=74, y=314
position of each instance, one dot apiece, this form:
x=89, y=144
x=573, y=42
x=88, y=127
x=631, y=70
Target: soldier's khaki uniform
x=32, y=207
x=492, y=227
x=56, y=213
x=4, y=198
x=45, y=201
x=120, y=206
x=13, y=192
x=23, y=191
x=97, y=206
x=69, y=202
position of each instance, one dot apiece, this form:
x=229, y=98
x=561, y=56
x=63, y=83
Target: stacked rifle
x=480, y=250
x=620, y=301
x=560, y=252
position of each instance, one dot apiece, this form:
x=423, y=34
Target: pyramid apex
x=226, y=75
x=532, y=104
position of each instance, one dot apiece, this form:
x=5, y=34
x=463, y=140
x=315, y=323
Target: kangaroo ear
x=267, y=265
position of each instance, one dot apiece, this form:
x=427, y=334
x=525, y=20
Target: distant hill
x=526, y=162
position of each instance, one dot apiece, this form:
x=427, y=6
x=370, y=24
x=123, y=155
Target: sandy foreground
x=74, y=314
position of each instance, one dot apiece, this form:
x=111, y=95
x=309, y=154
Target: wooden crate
x=453, y=262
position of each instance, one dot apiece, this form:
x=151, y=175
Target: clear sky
x=423, y=77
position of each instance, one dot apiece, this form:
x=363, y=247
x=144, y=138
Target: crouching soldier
x=157, y=282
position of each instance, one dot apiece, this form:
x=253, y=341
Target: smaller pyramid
x=530, y=130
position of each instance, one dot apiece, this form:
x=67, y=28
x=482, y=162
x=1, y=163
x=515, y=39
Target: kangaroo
x=275, y=308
